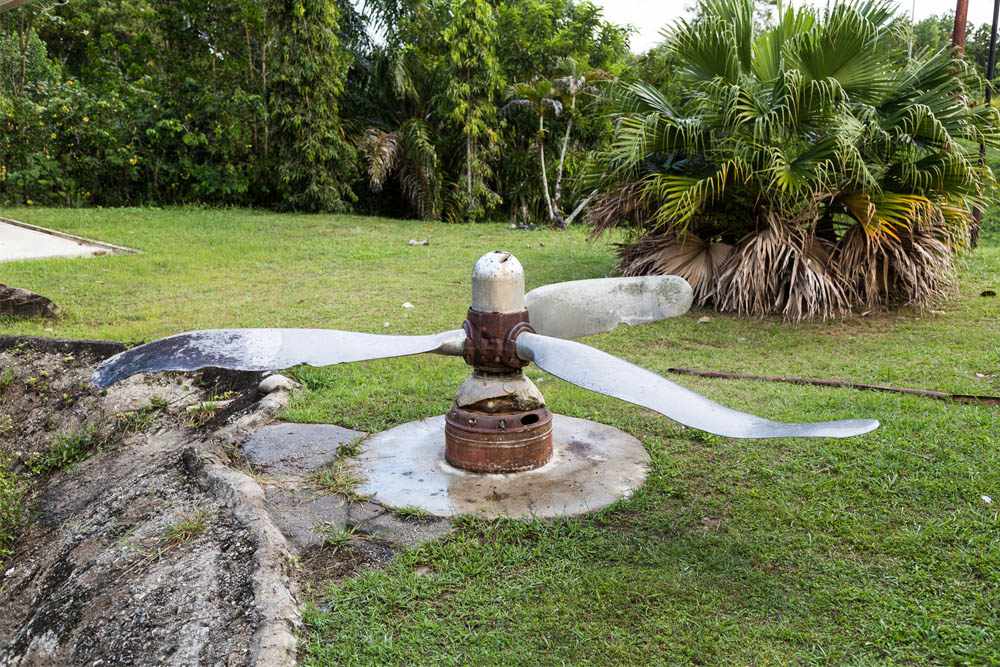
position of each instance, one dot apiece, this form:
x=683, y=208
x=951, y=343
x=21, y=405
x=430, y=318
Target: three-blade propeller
x=558, y=312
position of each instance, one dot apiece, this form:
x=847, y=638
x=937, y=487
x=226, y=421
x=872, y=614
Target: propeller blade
x=583, y=307
x=267, y=349
x=609, y=375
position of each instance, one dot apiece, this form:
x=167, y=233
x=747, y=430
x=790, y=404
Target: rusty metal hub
x=489, y=343
x=498, y=442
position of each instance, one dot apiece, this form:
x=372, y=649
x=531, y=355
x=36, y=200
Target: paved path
x=23, y=243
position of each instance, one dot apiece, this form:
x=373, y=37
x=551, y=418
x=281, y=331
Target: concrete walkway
x=23, y=241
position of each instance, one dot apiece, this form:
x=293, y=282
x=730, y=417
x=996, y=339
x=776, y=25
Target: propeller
x=605, y=374
x=267, y=349
x=583, y=307
x=565, y=310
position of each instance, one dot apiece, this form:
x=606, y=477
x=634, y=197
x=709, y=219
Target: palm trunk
x=541, y=156
x=961, y=17
x=562, y=155
x=563, y=224
x=468, y=168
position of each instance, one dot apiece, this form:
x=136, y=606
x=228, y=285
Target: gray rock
x=277, y=382
x=303, y=516
x=585, y=307
x=297, y=448
x=17, y=302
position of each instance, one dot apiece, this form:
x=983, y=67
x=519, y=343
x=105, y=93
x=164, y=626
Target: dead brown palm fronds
x=781, y=270
x=687, y=256
x=383, y=150
x=915, y=268
x=622, y=206
x=408, y=153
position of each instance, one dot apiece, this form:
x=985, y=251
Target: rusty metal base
x=500, y=442
x=592, y=466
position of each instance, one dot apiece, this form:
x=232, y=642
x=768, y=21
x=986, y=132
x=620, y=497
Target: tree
x=577, y=80
x=315, y=163
x=538, y=97
x=473, y=77
x=813, y=170
x=541, y=96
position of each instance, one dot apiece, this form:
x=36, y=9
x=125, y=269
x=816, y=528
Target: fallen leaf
x=705, y=319
x=407, y=305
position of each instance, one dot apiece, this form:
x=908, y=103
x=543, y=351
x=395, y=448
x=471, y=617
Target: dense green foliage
x=289, y=104
x=436, y=144
x=314, y=161
x=809, y=167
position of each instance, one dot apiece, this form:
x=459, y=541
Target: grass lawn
x=867, y=550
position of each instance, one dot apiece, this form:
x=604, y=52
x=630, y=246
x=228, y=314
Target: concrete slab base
x=592, y=466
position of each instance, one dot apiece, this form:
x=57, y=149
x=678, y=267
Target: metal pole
x=913, y=18
x=990, y=72
x=977, y=215
x=991, y=64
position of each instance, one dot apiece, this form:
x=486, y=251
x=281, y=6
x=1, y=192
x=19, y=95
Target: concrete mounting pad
x=19, y=240
x=592, y=466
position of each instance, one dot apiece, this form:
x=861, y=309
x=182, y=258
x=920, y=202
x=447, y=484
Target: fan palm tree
x=810, y=169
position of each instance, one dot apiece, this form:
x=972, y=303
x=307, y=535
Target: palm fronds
x=683, y=255
x=408, y=153
x=841, y=172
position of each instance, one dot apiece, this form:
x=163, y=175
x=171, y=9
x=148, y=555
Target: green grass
x=186, y=529
x=13, y=489
x=68, y=448
x=867, y=550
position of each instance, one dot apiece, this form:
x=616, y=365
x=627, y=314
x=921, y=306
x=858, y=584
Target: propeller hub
x=498, y=283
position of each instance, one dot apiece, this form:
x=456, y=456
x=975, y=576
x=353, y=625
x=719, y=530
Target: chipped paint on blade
x=605, y=374
x=266, y=349
x=584, y=307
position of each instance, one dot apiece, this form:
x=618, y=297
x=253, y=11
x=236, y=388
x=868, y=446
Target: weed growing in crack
x=335, y=538
x=200, y=414
x=65, y=451
x=134, y=421
x=185, y=530
x=410, y=513
x=338, y=477
x=12, y=493
x=352, y=448
x=6, y=378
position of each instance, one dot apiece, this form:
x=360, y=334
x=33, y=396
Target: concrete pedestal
x=592, y=466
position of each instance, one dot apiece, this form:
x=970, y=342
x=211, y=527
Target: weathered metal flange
x=500, y=442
